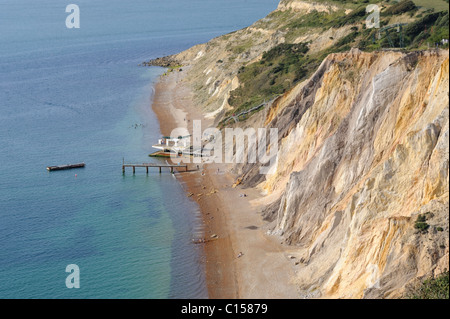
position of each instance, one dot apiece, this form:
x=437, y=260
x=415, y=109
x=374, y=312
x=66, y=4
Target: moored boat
x=64, y=167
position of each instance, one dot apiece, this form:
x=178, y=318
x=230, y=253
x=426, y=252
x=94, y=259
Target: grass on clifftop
x=437, y=5
x=285, y=65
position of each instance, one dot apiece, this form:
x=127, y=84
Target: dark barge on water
x=63, y=167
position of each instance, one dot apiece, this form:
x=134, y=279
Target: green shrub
x=401, y=7
x=421, y=223
x=421, y=226
x=431, y=28
x=279, y=69
x=421, y=218
x=347, y=39
x=356, y=16
x=432, y=288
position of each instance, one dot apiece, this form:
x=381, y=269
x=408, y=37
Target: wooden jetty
x=152, y=165
x=63, y=167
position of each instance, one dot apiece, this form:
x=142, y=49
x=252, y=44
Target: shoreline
x=241, y=260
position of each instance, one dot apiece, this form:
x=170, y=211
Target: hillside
x=240, y=70
x=360, y=188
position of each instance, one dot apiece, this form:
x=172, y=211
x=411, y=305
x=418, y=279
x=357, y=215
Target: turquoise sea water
x=74, y=95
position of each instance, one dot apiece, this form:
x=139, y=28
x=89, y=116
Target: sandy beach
x=242, y=260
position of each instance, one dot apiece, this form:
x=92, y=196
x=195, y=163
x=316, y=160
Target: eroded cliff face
x=365, y=151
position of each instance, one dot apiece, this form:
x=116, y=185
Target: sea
x=70, y=95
